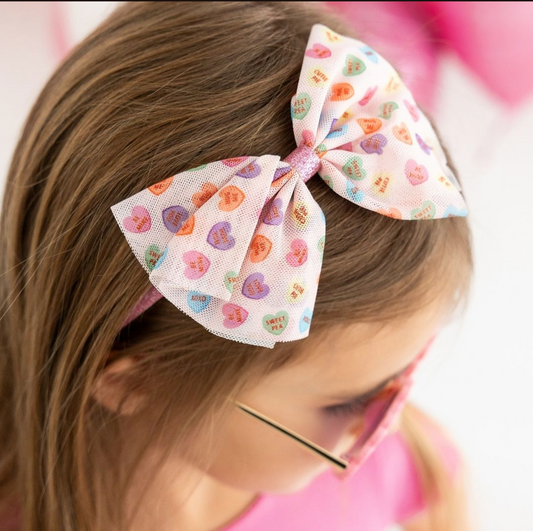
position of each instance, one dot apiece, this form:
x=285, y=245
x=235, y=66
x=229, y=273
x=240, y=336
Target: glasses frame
x=399, y=386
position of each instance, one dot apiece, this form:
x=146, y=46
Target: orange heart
x=187, y=227
x=341, y=92
x=260, y=247
x=283, y=179
x=199, y=198
x=391, y=213
x=232, y=197
x=160, y=187
x=402, y=133
x=369, y=125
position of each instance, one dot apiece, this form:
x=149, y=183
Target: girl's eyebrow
x=350, y=397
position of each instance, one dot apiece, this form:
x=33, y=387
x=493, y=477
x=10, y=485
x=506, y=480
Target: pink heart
x=234, y=161
x=416, y=173
x=368, y=95
x=308, y=137
x=197, y=264
x=234, y=315
x=413, y=110
x=139, y=221
x=318, y=51
x=298, y=254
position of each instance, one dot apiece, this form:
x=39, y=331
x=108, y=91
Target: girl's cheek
x=330, y=428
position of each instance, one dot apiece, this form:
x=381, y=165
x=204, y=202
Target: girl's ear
x=109, y=388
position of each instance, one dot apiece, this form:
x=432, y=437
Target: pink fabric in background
x=494, y=39
x=59, y=39
x=384, y=491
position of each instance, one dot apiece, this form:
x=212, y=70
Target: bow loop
x=207, y=253
x=377, y=148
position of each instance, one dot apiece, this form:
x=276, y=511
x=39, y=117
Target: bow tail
x=150, y=218
x=277, y=286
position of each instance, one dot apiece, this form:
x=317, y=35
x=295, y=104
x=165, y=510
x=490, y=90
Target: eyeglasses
x=378, y=416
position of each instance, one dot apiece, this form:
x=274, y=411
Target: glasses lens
x=378, y=418
x=379, y=415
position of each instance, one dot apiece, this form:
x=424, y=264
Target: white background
x=478, y=381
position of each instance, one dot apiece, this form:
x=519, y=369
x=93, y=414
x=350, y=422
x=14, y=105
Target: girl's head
x=137, y=100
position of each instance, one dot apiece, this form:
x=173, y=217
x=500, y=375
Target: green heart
x=427, y=211
x=320, y=149
x=354, y=169
x=300, y=106
x=152, y=255
x=387, y=108
x=328, y=181
x=320, y=245
x=201, y=167
x=275, y=324
x=357, y=66
x=229, y=285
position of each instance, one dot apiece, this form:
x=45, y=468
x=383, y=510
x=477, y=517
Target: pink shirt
x=383, y=492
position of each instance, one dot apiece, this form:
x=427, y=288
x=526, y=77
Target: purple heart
x=219, y=236
x=250, y=171
x=280, y=172
x=374, y=144
x=174, y=217
x=253, y=287
x=274, y=214
x=422, y=144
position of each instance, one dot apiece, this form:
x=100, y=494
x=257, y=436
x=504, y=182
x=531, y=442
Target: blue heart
x=455, y=212
x=358, y=197
x=161, y=258
x=371, y=54
x=198, y=301
x=337, y=132
x=305, y=320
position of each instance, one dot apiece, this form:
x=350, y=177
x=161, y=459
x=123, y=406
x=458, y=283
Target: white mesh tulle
x=237, y=244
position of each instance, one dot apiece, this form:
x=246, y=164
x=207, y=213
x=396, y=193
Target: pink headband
x=237, y=244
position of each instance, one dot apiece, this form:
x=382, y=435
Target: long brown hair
x=155, y=89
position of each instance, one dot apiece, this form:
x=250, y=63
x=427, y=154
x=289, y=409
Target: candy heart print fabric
x=237, y=244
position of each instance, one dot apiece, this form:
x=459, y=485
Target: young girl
x=105, y=426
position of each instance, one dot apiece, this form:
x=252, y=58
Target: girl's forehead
x=357, y=355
